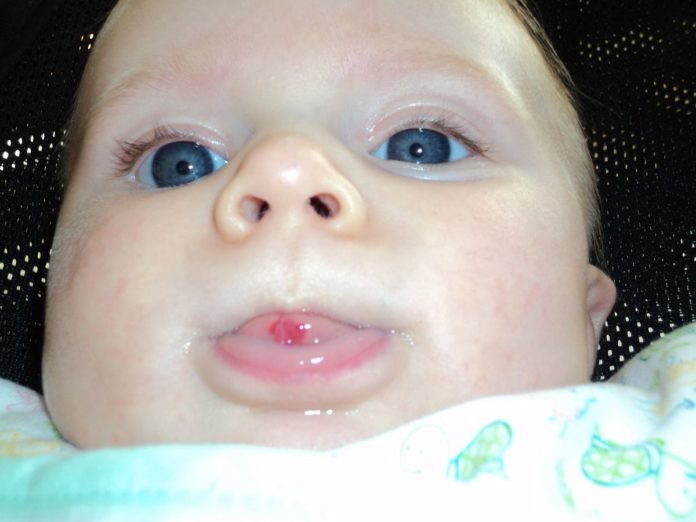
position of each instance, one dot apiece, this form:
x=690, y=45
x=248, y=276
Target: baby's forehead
x=288, y=35
x=284, y=46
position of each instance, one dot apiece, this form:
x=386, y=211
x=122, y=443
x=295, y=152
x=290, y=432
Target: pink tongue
x=298, y=329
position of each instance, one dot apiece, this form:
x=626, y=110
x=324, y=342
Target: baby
x=302, y=224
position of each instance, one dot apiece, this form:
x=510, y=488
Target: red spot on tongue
x=286, y=331
x=295, y=329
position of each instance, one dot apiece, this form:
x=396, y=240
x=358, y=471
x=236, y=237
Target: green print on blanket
x=611, y=465
x=682, y=338
x=484, y=454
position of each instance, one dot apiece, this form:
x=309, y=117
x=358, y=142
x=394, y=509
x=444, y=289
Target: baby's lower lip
x=299, y=348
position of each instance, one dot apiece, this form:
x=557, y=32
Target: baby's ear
x=601, y=296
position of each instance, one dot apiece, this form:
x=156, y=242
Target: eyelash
x=444, y=124
x=130, y=152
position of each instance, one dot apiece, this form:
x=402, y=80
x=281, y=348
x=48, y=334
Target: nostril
x=325, y=205
x=265, y=207
x=254, y=209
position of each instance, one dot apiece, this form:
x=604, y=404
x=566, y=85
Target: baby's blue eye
x=179, y=163
x=422, y=147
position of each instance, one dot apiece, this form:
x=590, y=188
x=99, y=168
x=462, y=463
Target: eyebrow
x=461, y=67
x=173, y=73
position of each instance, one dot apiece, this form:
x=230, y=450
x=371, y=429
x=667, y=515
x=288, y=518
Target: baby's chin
x=316, y=430
x=319, y=430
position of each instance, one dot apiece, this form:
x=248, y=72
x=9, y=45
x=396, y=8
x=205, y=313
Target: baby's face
x=332, y=218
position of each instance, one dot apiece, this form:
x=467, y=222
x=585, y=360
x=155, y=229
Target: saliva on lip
x=318, y=413
x=313, y=361
x=330, y=413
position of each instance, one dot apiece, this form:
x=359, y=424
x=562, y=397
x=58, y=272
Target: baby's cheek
x=543, y=329
x=526, y=287
x=96, y=282
x=100, y=302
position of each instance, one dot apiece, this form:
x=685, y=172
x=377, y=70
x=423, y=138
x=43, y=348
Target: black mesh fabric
x=635, y=65
x=633, y=60
x=43, y=49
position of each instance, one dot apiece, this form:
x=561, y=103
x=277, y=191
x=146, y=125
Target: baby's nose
x=287, y=181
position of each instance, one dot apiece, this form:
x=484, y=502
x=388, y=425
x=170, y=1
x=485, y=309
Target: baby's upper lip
x=331, y=319
x=359, y=301
x=295, y=328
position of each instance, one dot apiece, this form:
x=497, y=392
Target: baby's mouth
x=300, y=348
